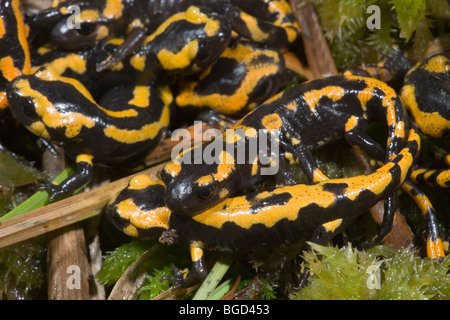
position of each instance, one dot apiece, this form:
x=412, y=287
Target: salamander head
x=49, y=105
x=191, y=187
x=139, y=210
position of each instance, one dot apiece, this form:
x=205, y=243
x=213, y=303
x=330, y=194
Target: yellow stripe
x=22, y=37
x=149, y=131
x=2, y=27
x=51, y=117
x=84, y=158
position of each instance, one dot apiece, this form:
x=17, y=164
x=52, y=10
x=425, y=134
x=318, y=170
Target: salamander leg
x=306, y=161
x=356, y=137
x=186, y=278
x=74, y=182
x=435, y=249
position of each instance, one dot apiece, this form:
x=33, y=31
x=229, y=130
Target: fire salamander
x=314, y=211
x=261, y=21
x=125, y=124
x=304, y=117
x=62, y=111
x=54, y=105
x=243, y=77
x=426, y=94
x=13, y=37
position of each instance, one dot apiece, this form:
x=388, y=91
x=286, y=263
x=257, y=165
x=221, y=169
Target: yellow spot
x=43, y=50
x=131, y=231
x=292, y=106
x=295, y=141
x=143, y=219
x=72, y=61
x=142, y=181
x=141, y=97
x=3, y=101
x=332, y=225
x=431, y=124
x=173, y=169
x=351, y=123
x=113, y=9
x=9, y=71
x=313, y=97
x=272, y=122
x=205, y=180
x=89, y=15
x=232, y=137
x=194, y=15
x=436, y=64
x=2, y=27
x=39, y=129
x=223, y=193
x=250, y=132
x=138, y=62
x=182, y=59
x=102, y=32
x=135, y=23
x=115, y=41
x=84, y=158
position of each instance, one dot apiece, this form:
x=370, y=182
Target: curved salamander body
x=288, y=214
x=304, y=118
x=426, y=94
x=265, y=22
x=244, y=76
x=62, y=111
x=16, y=60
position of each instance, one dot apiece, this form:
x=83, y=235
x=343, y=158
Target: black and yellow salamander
x=314, y=211
x=126, y=123
x=268, y=22
x=243, y=77
x=303, y=118
x=62, y=111
x=426, y=95
x=13, y=39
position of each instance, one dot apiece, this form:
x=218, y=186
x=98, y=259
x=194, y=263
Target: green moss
x=348, y=273
x=153, y=285
x=21, y=269
x=410, y=24
x=118, y=260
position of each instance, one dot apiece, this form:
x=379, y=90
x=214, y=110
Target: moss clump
x=411, y=24
x=350, y=274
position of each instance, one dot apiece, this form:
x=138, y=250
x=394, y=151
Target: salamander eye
x=28, y=109
x=205, y=193
x=264, y=90
x=73, y=37
x=87, y=28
